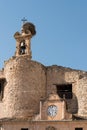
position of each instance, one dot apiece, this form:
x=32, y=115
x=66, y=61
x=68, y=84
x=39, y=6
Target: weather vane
x=24, y=20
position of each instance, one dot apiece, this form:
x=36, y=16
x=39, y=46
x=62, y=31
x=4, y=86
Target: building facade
x=38, y=97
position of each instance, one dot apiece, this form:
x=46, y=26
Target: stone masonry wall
x=44, y=125
x=61, y=75
x=28, y=81
x=2, y=74
x=82, y=96
x=26, y=84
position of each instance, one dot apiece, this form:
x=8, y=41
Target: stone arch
x=51, y=128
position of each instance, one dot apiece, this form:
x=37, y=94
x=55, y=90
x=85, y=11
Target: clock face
x=52, y=110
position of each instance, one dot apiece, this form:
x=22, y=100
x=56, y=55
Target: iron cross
x=24, y=20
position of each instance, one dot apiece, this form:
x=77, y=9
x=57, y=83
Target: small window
x=2, y=83
x=22, y=47
x=64, y=91
x=24, y=128
x=78, y=128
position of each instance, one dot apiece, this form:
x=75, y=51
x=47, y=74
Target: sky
x=61, y=27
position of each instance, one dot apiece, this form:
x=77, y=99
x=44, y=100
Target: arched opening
x=22, y=47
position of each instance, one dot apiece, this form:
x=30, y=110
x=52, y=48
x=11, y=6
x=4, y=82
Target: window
x=2, y=83
x=24, y=128
x=64, y=91
x=22, y=47
x=78, y=128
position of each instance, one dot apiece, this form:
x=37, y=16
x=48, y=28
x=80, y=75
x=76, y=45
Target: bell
x=22, y=44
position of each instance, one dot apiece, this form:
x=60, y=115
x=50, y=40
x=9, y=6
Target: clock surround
x=52, y=110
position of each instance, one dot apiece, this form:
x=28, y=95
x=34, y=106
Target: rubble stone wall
x=82, y=97
x=26, y=84
x=61, y=75
x=45, y=125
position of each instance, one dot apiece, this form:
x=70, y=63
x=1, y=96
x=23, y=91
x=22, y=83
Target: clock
x=52, y=110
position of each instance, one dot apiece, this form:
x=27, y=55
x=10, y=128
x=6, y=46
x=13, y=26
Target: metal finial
x=24, y=20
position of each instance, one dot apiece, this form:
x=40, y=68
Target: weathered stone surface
x=2, y=74
x=28, y=81
x=61, y=75
x=26, y=84
x=43, y=125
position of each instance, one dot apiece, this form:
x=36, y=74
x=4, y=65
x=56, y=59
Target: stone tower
x=23, y=45
x=25, y=79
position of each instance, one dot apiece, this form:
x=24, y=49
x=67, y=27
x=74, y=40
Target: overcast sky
x=61, y=27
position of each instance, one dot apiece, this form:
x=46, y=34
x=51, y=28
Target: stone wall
x=44, y=125
x=26, y=84
x=82, y=97
x=57, y=75
x=2, y=74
